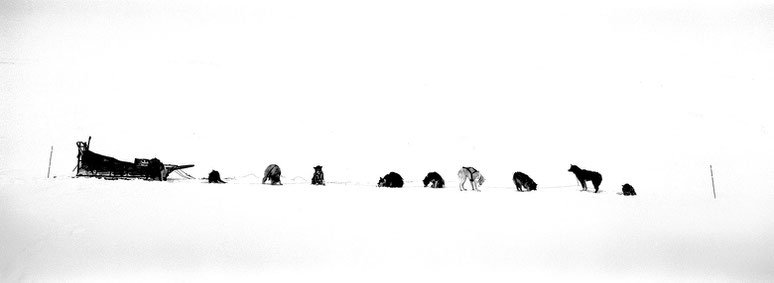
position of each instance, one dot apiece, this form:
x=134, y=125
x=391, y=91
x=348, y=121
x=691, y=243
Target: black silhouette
x=434, y=180
x=628, y=190
x=318, y=178
x=391, y=180
x=272, y=173
x=92, y=164
x=156, y=170
x=214, y=177
x=522, y=180
x=586, y=175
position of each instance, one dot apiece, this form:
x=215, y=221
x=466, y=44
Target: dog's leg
x=583, y=185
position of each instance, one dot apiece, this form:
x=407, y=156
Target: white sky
x=627, y=88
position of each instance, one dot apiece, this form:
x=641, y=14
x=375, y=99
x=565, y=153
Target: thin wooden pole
x=51, y=154
x=712, y=175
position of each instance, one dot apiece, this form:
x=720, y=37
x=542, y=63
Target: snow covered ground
x=649, y=93
x=68, y=229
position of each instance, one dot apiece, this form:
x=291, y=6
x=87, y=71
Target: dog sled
x=91, y=164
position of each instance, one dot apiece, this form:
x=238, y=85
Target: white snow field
x=67, y=229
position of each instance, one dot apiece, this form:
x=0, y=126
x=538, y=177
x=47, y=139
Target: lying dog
x=522, y=180
x=391, y=180
x=272, y=173
x=586, y=175
x=628, y=190
x=214, y=177
x=434, y=180
x=470, y=174
x=318, y=178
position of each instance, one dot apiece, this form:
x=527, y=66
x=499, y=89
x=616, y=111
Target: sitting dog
x=391, y=180
x=586, y=175
x=157, y=170
x=522, y=180
x=470, y=174
x=434, y=180
x=214, y=177
x=272, y=173
x=318, y=178
x=628, y=190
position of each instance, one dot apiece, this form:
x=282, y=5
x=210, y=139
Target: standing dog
x=470, y=174
x=628, y=190
x=272, y=173
x=586, y=175
x=434, y=180
x=318, y=178
x=214, y=177
x=391, y=180
x=522, y=180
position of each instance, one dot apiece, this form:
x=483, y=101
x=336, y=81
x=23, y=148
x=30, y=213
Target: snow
x=649, y=93
x=68, y=229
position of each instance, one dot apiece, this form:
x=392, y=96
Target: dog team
x=434, y=180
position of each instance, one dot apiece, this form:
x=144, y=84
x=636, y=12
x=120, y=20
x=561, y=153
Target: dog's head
x=426, y=181
x=381, y=183
x=481, y=180
x=317, y=168
x=574, y=168
x=533, y=186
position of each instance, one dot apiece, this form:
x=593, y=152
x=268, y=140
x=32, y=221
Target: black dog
x=586, y=175
x=522, y=180
x=215, y=177
x=628, y=190
x=391, y=180
x=156, y=170
x=434, y=180
x=272, y=172
x=318, y=178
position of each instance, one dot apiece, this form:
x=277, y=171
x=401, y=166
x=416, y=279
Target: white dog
x=470, y=174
